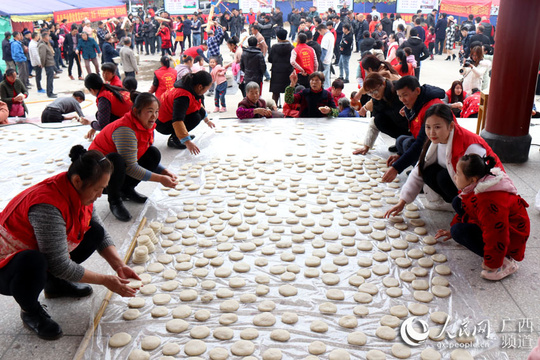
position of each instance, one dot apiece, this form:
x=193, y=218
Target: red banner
x=466, y=7
x=93, y=14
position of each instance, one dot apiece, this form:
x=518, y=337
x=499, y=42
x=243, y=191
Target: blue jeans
x=344, y=65
x=403, y=143
x=196, y=39
x=326, y=73
x=219, y=94
x=294, y=29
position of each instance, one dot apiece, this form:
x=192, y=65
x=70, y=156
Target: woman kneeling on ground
x=315, y=101
x=253, y=106
x=47, y=231
x=182, y=109
x=491, y=219
x=447, y=142
x=127, y=143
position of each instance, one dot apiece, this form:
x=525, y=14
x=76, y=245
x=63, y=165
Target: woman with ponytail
x=182, y=109
x=164, y=77
x=446, y=143
x=112, y=102
x=127, y=143
x=403, y=68
x=491, y=219
x=47, y=231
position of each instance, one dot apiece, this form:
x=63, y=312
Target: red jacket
x=416, y=124
x=56, y=191
x=471, y=105
x=118, y=108
x=165, y=34
x=166, y=78
x=192, y=51
x=104, y=141
x=167, y=100
x=116, y=81
x=501, y=214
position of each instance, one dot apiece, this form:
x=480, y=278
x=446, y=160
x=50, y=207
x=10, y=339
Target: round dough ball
x=328, y=308
x=229, y=306
x=319, y=326
x=181, y=312
x=136, y=302
x=289, y=318
x=335, y=294
x=399, y=311
x=430, y=354
x=264, y=319
x=348, y=322
x=139, y=354
x=266, y=305
x=199, y=332
x=131, y=314
x=386, y=333
x=243, y=348
x=390, y=320
x=119, y=339
x=195, y=347
x=176, y=326
x=223, y=333
x=287, y=290
x=441, y=291
x=375, y=355
x=461, y=354
x=202, y=315
x=418, y=309
x=219, y=353
x=401, y=351
x=249, y=334
x=161, y=299
x=272, y=354
x=357, y=338
x=339, y=354
x=150, y=343
x=159, y=311
x=317, y=348
x=280, y=335
x=439, y=317
x=170, y=349
x=423, y=296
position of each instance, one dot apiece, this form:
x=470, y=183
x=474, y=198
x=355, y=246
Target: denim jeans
x=326, y=73
x=196, y=39
x=344, y=65
x=219, y=94
x=294, y=29
x=403, y=143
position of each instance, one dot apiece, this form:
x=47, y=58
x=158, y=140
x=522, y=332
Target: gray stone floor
x=517, y=297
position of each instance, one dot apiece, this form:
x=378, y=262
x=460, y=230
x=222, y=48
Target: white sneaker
x=439, y=205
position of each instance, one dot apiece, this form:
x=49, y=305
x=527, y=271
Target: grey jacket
x=46, y=54
x=129, y=62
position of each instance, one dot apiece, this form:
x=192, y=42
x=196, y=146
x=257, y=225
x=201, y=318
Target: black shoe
x=447, y=58
x=132, y=195
x=453, y=57
x=345, y=81
x=174, y=142
x=56, y=288
x=393, y=149
x=52, y=96
x=40, y=322
x=119, y=211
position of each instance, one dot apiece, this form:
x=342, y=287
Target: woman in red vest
x=403, y=68
x=127, y=143
x=304, y=60
x=446, y=143
x=164, y=77
x=47, y=231
x=182, y=109
x=112, y=103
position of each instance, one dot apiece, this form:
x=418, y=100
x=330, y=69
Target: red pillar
x=513, y=79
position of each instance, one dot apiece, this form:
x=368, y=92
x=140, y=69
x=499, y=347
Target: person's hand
x=362, y=111
x=445, y=234
x=263, y=112
x=193, y=149
x=90, y=135
x=391, y=159
x=210, y=124
x=458, y=105
x=396, y=209
x=294, y=78
x=303, y=73
x=169, y=173
x=390, y=174
x=119, y=286
x=325, y=110
x=167, y=181
x=362, y=151
x=125, y=272
x=402, y=111
x=77, y=51
x=84, y=121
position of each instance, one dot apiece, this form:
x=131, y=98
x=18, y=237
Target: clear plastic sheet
x=234, y=150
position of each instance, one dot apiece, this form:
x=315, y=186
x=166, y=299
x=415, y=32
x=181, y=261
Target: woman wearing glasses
x=386, y=112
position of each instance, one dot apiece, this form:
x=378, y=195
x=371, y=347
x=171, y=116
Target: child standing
x=430, y=41
x=491, y=219
x=410, y=57
x=218, y=78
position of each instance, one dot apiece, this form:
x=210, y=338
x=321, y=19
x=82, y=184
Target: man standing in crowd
x=338, y=27
x=362, y=27
x=440, y=34
x=149, y=36
x=6, y=51
x=480, y=36
x=46, y=55
x=236, y=23
x=196, y=30
x=35, y=61
x=277, y=18
x=101, y=32
x=374, y=12
x=129, y=62
x=345, y=48
x=316, y=47
x=70, y=45
x=187, y=32
x=108, y=50
x=431, y=18
x=327, y=47
x=252, y=63
x=27, y=37
x=266, y=29
x=419, y=50
x=17, y=53
x=386, y=23
x=304, y=60
x=213, y=42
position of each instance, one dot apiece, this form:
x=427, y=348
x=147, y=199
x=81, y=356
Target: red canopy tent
x=466, y=7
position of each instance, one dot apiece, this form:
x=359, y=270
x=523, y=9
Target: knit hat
x=26, y=32
x=281, y=34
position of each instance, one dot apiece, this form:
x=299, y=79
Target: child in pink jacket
x=219, y=79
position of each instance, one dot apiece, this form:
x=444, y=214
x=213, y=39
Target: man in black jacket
x=252, y=63
x=266, y=29
x=440, y=34
x=149, y=32
x=419, y=50
x=294, y=21
x=277, y=19
x=345, y=48
x=236, y=24
x=480, y=37
x=386, y=24
x=367, y=43
x=338, y=26
x=362, y=27
x=316, y=47
x=6, y=51
x=70, y=45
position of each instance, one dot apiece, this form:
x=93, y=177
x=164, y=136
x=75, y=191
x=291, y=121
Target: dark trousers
x=167, y=128
x=50, y=115
x=73, y=57
x=25, y=275
x=468, y=235
x=129, y=73
x=150, y=41
x=417, y=72
x=303, y=80
x=49, y=70
x=39, y=71
x=166, y=51
x=187, y=38
x=403, y=143
x=120, y=180
x=390, y=127
x=438, y=179
x=439, y=44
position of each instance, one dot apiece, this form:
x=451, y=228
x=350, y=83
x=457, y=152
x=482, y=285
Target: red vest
x=56, y=191
x=166, y=78
x=118, y=108
x=395, y=61
x=416, y=124
x=116, y=81
x=305, y=57
x=167, y=100
x=104, y=141
x=192, y=51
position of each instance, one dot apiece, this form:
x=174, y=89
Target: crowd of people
x=456, y=169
